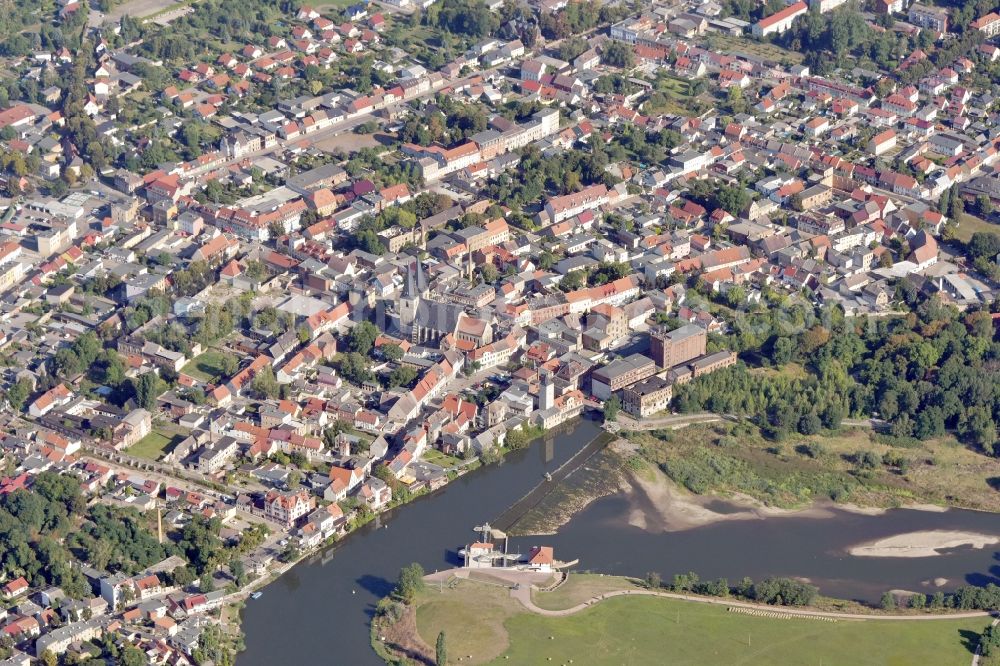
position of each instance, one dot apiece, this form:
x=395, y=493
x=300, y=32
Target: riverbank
x=852, y=467
x=593, y=619
x=707, y=473
x=660, y=504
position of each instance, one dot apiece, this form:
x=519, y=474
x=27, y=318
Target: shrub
x=783, y=592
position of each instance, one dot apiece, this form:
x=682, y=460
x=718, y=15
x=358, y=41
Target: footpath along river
x=319, y=612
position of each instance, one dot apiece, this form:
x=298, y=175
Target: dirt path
x=682, y=420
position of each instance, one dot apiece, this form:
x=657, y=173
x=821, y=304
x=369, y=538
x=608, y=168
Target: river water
x=319, y=612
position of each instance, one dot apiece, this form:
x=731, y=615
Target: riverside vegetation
x=848, y=465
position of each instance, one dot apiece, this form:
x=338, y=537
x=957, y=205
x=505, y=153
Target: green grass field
x=578, y=588
x=206, y=367
x=154, y=445
x=483, y=625
x=970, y=224
x=438, y=458
x=644, y=630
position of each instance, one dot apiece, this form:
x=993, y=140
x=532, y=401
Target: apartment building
x=925, y=16
x=780, y=21
x=562, y=208
x=287, y=507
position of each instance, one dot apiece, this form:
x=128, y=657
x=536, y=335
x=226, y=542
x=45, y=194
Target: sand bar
x=660, y=505
x=922, y=544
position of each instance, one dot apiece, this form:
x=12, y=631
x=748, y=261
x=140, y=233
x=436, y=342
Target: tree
x=653, y=580
x=736, y=102
x=18, y=394
x=404, y=375
x=354, y=368
x=441, y=651
x=264, y=383
x=362, y=337
x=58, y=188
x=571, y=281
x=391, y=351
x=228, y=364
x=814, y=338
x=984, y=206
x=832, y=415
x=809, y=423
x=410, y=582
x=983, y=244
x=611, y=408
x=132, y=656
x=239, y=572
x=290, y=553
x=990, y=641
x=618, y=54
x=888, y=601
x=571, y=48
x=489, y=273
x=147, y=387
x=369, y=241
x=782, y=351
x=736, y=296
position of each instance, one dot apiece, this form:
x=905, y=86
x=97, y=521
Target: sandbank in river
x=922, y=544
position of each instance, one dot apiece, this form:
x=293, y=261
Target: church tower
x=546, y=392
x=409, y=301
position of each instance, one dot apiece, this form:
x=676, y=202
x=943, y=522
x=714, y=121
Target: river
x=802, y=547
x=319, y=612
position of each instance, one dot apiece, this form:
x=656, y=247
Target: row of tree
x=776, y=591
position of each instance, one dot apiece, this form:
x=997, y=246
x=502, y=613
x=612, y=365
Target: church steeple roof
x=411, y=291
x=421, y=280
